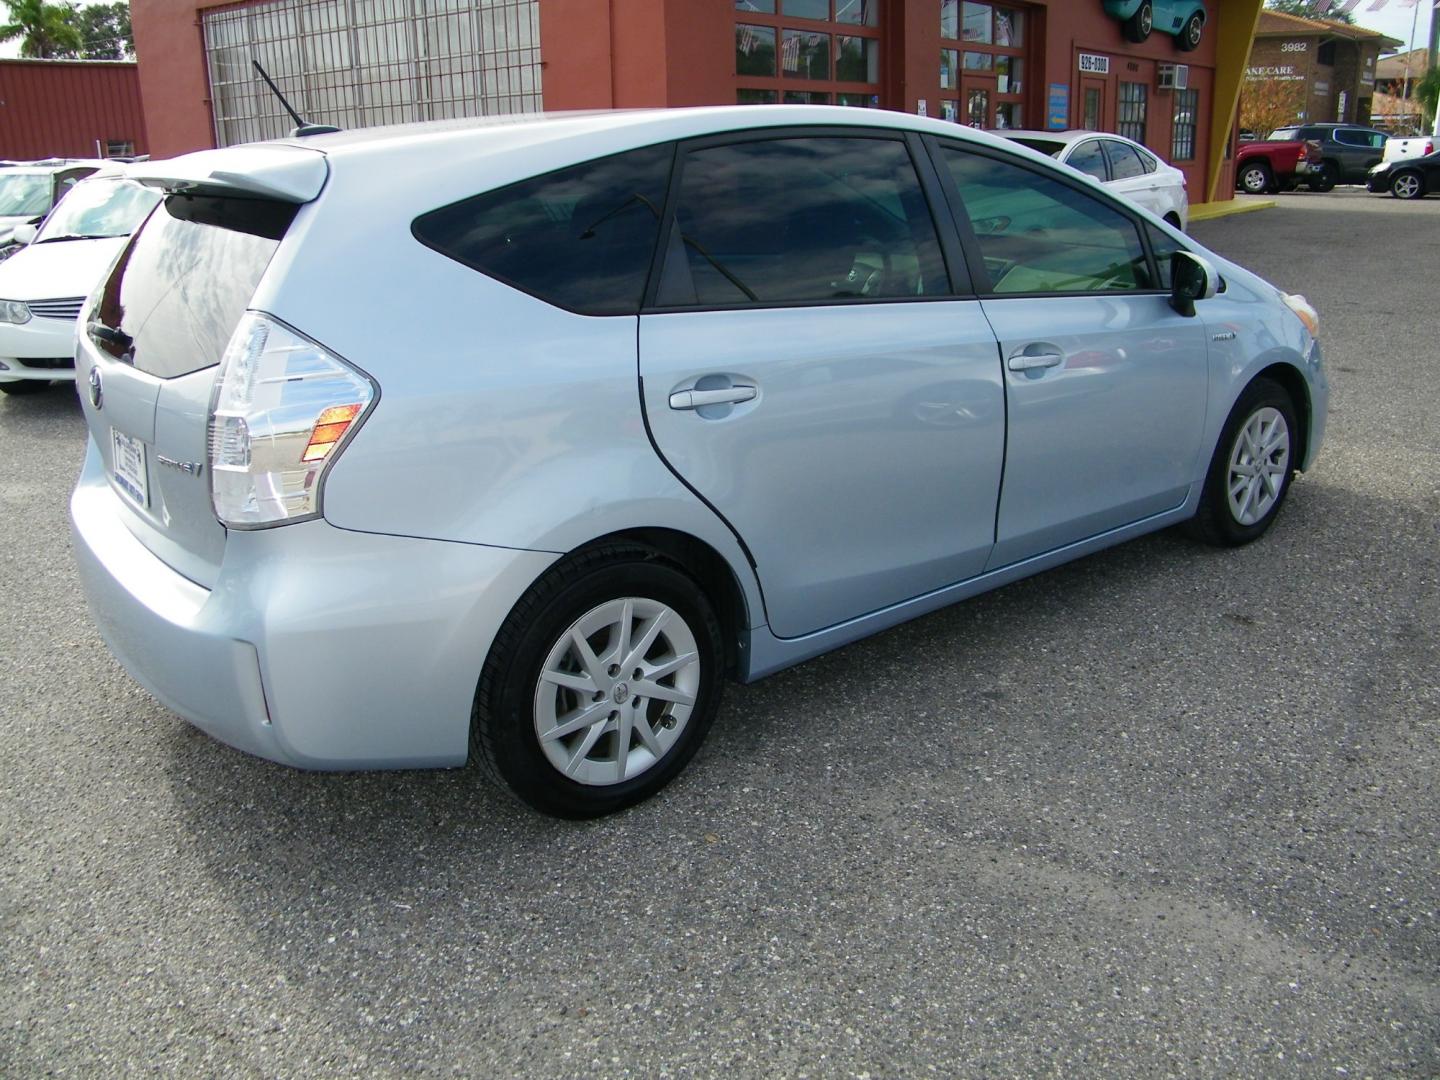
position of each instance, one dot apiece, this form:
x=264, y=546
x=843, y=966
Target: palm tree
x=47, y=30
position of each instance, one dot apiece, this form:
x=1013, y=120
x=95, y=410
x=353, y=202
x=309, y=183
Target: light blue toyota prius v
x=511, y=440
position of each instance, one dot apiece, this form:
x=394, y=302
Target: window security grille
x=360, y=63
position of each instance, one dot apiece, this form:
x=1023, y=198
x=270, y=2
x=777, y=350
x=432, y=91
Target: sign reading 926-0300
x=1094, y=65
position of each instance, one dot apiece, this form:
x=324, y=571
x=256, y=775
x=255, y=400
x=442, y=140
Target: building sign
x=1276, y=73
x=1057, y=107
x=1094, y=65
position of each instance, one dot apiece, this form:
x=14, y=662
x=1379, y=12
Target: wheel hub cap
x=1259, y=465
x=616, y=691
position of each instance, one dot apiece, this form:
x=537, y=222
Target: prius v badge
x=97, y=392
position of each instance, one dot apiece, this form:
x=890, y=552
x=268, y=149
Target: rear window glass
x=581, y=238
x=184, y=280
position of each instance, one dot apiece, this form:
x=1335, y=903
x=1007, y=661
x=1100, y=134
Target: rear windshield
x=1285, y=135
x=184, y=280
x=1045, y=146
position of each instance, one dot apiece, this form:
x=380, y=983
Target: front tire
x=1251, y=470
x=1326, y=179
x=1408, y=185
x=1137, y=28
x=601, y=684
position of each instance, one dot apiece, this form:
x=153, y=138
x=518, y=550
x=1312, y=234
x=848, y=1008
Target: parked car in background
x=28, y=191
x=606, y=408
x=1272, y=166
x=1121, y=165
x=1407, y=178
x=1401, y=147
x=44, y=284
x=1347, y=151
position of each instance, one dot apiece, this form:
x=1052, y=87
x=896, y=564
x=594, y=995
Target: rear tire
x=1251, y=469
x=570, y=714
x=1188, y=40
x=24, y=386
x=1255, y=179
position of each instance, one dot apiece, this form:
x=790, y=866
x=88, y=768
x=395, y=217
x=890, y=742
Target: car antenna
x=301, y=127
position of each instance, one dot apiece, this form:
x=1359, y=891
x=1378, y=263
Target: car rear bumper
x=317, y=647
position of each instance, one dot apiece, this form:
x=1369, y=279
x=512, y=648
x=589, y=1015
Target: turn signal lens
x=1308, y=315
x=282, y=407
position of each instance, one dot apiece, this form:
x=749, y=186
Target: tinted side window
x=803, y=219
x=1150, y=162
x=1124, y=161
x=1038, y=235
x=581, y=238
x=1090, y=159
x=1164, y=247
x=1351, y=138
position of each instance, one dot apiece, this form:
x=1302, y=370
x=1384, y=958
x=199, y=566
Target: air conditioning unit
x=1174, y=77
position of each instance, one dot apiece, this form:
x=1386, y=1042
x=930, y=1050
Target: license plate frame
x=127, y=467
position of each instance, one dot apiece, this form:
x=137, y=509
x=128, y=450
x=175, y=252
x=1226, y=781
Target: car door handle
x=1030, y=361
x=728, y=395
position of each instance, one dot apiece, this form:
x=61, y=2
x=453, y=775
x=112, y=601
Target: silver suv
x=512, y=440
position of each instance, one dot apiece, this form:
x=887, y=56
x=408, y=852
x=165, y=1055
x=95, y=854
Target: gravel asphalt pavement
x=1167, y=811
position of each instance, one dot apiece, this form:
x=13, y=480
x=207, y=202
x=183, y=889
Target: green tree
x=1427, y=92
x=46, y=31
x=105, y=32
x=1311, y=9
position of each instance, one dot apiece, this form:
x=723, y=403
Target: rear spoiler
x=293, y=174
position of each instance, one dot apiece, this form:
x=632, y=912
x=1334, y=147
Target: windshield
x=96, y=208
x=24, y=194
x=1285, y=135
x=1045, y=146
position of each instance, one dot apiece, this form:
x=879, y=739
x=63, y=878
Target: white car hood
x=58, y=270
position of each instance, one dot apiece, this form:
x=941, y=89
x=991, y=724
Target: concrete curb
x=1210, y=211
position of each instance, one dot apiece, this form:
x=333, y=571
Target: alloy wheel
x=1259, y=465
x=616, y=691
x=1406, y=186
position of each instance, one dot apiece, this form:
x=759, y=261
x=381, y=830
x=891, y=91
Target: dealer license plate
x=129, y=466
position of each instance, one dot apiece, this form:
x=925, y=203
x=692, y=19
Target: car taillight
x=281, y=411
x=1429, y=148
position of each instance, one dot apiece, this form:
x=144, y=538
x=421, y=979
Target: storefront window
x=1182, y=140
x=857, y=60
x=805, y=55
x=1008, y=115
x=756, y=97
x=806, y=97
x=1008, y=71
x=979, y=61
x=949, y=69
x=950, y=19
x=976, y=23
x=1009, y=27
x=758, y=7
x=1131, y=121
x=754, y=50
x=859, y=101
x=806, y=9
x=858, y=12
x=977, y=108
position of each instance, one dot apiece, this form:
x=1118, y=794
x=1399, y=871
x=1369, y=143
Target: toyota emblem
x=97, y=392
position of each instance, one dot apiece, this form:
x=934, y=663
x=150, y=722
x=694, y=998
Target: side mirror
x=1191, y=278
x=24, y=234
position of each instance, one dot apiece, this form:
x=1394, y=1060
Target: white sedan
x=43, y=285
x=1120, y=164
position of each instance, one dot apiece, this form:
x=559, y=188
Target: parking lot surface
x=1168, y=810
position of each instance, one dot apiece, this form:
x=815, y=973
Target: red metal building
x=70, y=108
x=1039, y=63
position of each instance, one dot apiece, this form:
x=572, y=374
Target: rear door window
x=794, y=220
x=183, y=281
x=581, y=238
x=1124, y=162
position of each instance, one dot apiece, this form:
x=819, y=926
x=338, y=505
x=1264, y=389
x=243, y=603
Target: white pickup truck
x=1397, y=148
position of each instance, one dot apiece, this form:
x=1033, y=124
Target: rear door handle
x=728, y=395
x=1030, y=361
